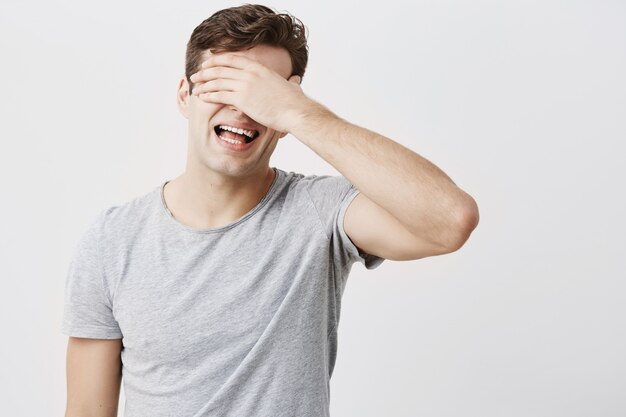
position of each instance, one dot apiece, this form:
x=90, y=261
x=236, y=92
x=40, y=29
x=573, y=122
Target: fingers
x=217, y=72
x=223, y=97
x=228, y=59
x=218, y=84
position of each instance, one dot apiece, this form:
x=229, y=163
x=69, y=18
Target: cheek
x=204, y=107
x=202, y=112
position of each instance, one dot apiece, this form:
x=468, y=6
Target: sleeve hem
x=91, y=332
x=370, y=261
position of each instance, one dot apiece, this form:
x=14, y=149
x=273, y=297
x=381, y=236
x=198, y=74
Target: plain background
x=521, y=103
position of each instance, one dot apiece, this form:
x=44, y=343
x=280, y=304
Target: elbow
x=465, y=222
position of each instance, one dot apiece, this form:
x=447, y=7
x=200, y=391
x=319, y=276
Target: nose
x=238, y=113
x=235, y=109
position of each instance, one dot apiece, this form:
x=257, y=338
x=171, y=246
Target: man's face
x=206, y=149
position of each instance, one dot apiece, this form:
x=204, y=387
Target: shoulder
x=120, y=220
x=323, y=186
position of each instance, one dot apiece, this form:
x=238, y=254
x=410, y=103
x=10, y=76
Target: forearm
x=416, y=192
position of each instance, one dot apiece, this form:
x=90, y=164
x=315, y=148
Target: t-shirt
x=238, y=320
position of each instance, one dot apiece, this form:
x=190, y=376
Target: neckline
x=172, y=220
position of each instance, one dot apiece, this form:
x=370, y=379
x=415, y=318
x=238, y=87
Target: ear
x=295, y=79
x=183, y=97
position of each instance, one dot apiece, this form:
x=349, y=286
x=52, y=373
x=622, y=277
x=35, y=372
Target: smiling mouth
x=236, y=136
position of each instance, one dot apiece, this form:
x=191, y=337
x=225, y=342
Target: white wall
x=521, y=103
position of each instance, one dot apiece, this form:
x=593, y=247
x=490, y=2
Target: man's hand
x=258, y=91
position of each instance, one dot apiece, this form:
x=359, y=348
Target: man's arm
x=94, y=373
x=408, y=207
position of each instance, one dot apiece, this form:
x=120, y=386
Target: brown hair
x=243, y=27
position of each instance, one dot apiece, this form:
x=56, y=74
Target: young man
x=218, y=293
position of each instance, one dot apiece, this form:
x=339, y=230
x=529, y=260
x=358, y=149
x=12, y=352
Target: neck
x=212, y=199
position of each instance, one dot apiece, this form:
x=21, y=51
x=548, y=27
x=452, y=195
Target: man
x=218, y=293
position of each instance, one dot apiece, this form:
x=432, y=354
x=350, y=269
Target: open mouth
x=235, y=135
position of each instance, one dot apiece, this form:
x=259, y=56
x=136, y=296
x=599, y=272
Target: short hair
x=243, y=27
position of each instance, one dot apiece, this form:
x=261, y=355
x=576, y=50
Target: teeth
x=248, y=133
x=236, y=142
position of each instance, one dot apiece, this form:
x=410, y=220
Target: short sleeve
x=331, y=196
x=87, y=308
x=370, y=261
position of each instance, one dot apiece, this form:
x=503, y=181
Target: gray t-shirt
x=239, y=320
